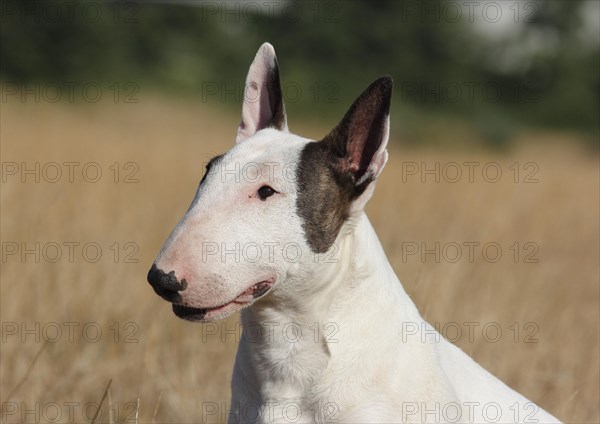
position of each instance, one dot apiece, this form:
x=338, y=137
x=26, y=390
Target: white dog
x=277, y=228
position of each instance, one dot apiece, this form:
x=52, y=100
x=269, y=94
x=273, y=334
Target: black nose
x=165, y=285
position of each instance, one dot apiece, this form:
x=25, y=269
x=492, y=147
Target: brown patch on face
x=334, y=172
x=324, y=196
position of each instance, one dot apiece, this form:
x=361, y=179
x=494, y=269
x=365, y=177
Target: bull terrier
x=277, y=229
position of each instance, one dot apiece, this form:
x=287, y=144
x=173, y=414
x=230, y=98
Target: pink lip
x=243, y=300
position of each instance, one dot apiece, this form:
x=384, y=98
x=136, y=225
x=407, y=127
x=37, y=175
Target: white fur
x=250, y=236
x=346, y=355
x=368, y=370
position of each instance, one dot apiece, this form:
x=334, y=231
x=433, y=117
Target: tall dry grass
x=177, y=369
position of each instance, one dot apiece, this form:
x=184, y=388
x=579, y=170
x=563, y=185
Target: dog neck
x=290, y=340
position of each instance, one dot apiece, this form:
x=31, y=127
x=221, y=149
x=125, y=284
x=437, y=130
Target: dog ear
x=358, y=144
x=263, y=103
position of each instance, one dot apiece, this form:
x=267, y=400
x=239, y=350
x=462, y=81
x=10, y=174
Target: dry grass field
x=84, y=285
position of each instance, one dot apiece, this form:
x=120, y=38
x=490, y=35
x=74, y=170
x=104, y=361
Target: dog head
x=268, y=206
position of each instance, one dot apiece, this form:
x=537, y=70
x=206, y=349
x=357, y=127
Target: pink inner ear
x=356, y=146
x=265, y=109
x=253, y=109
x=257, y=110
x=353, y=166
x=360, y=139
x=365, y=138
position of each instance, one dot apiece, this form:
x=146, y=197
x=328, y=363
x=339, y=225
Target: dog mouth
x=245, y=299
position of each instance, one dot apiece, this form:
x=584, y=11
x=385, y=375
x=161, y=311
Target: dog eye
x=264, y=192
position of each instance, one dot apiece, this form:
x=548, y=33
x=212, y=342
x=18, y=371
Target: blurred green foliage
x=329, y=51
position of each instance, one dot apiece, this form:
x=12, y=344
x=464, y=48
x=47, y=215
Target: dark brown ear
x=358, y=143
x=263, y=102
